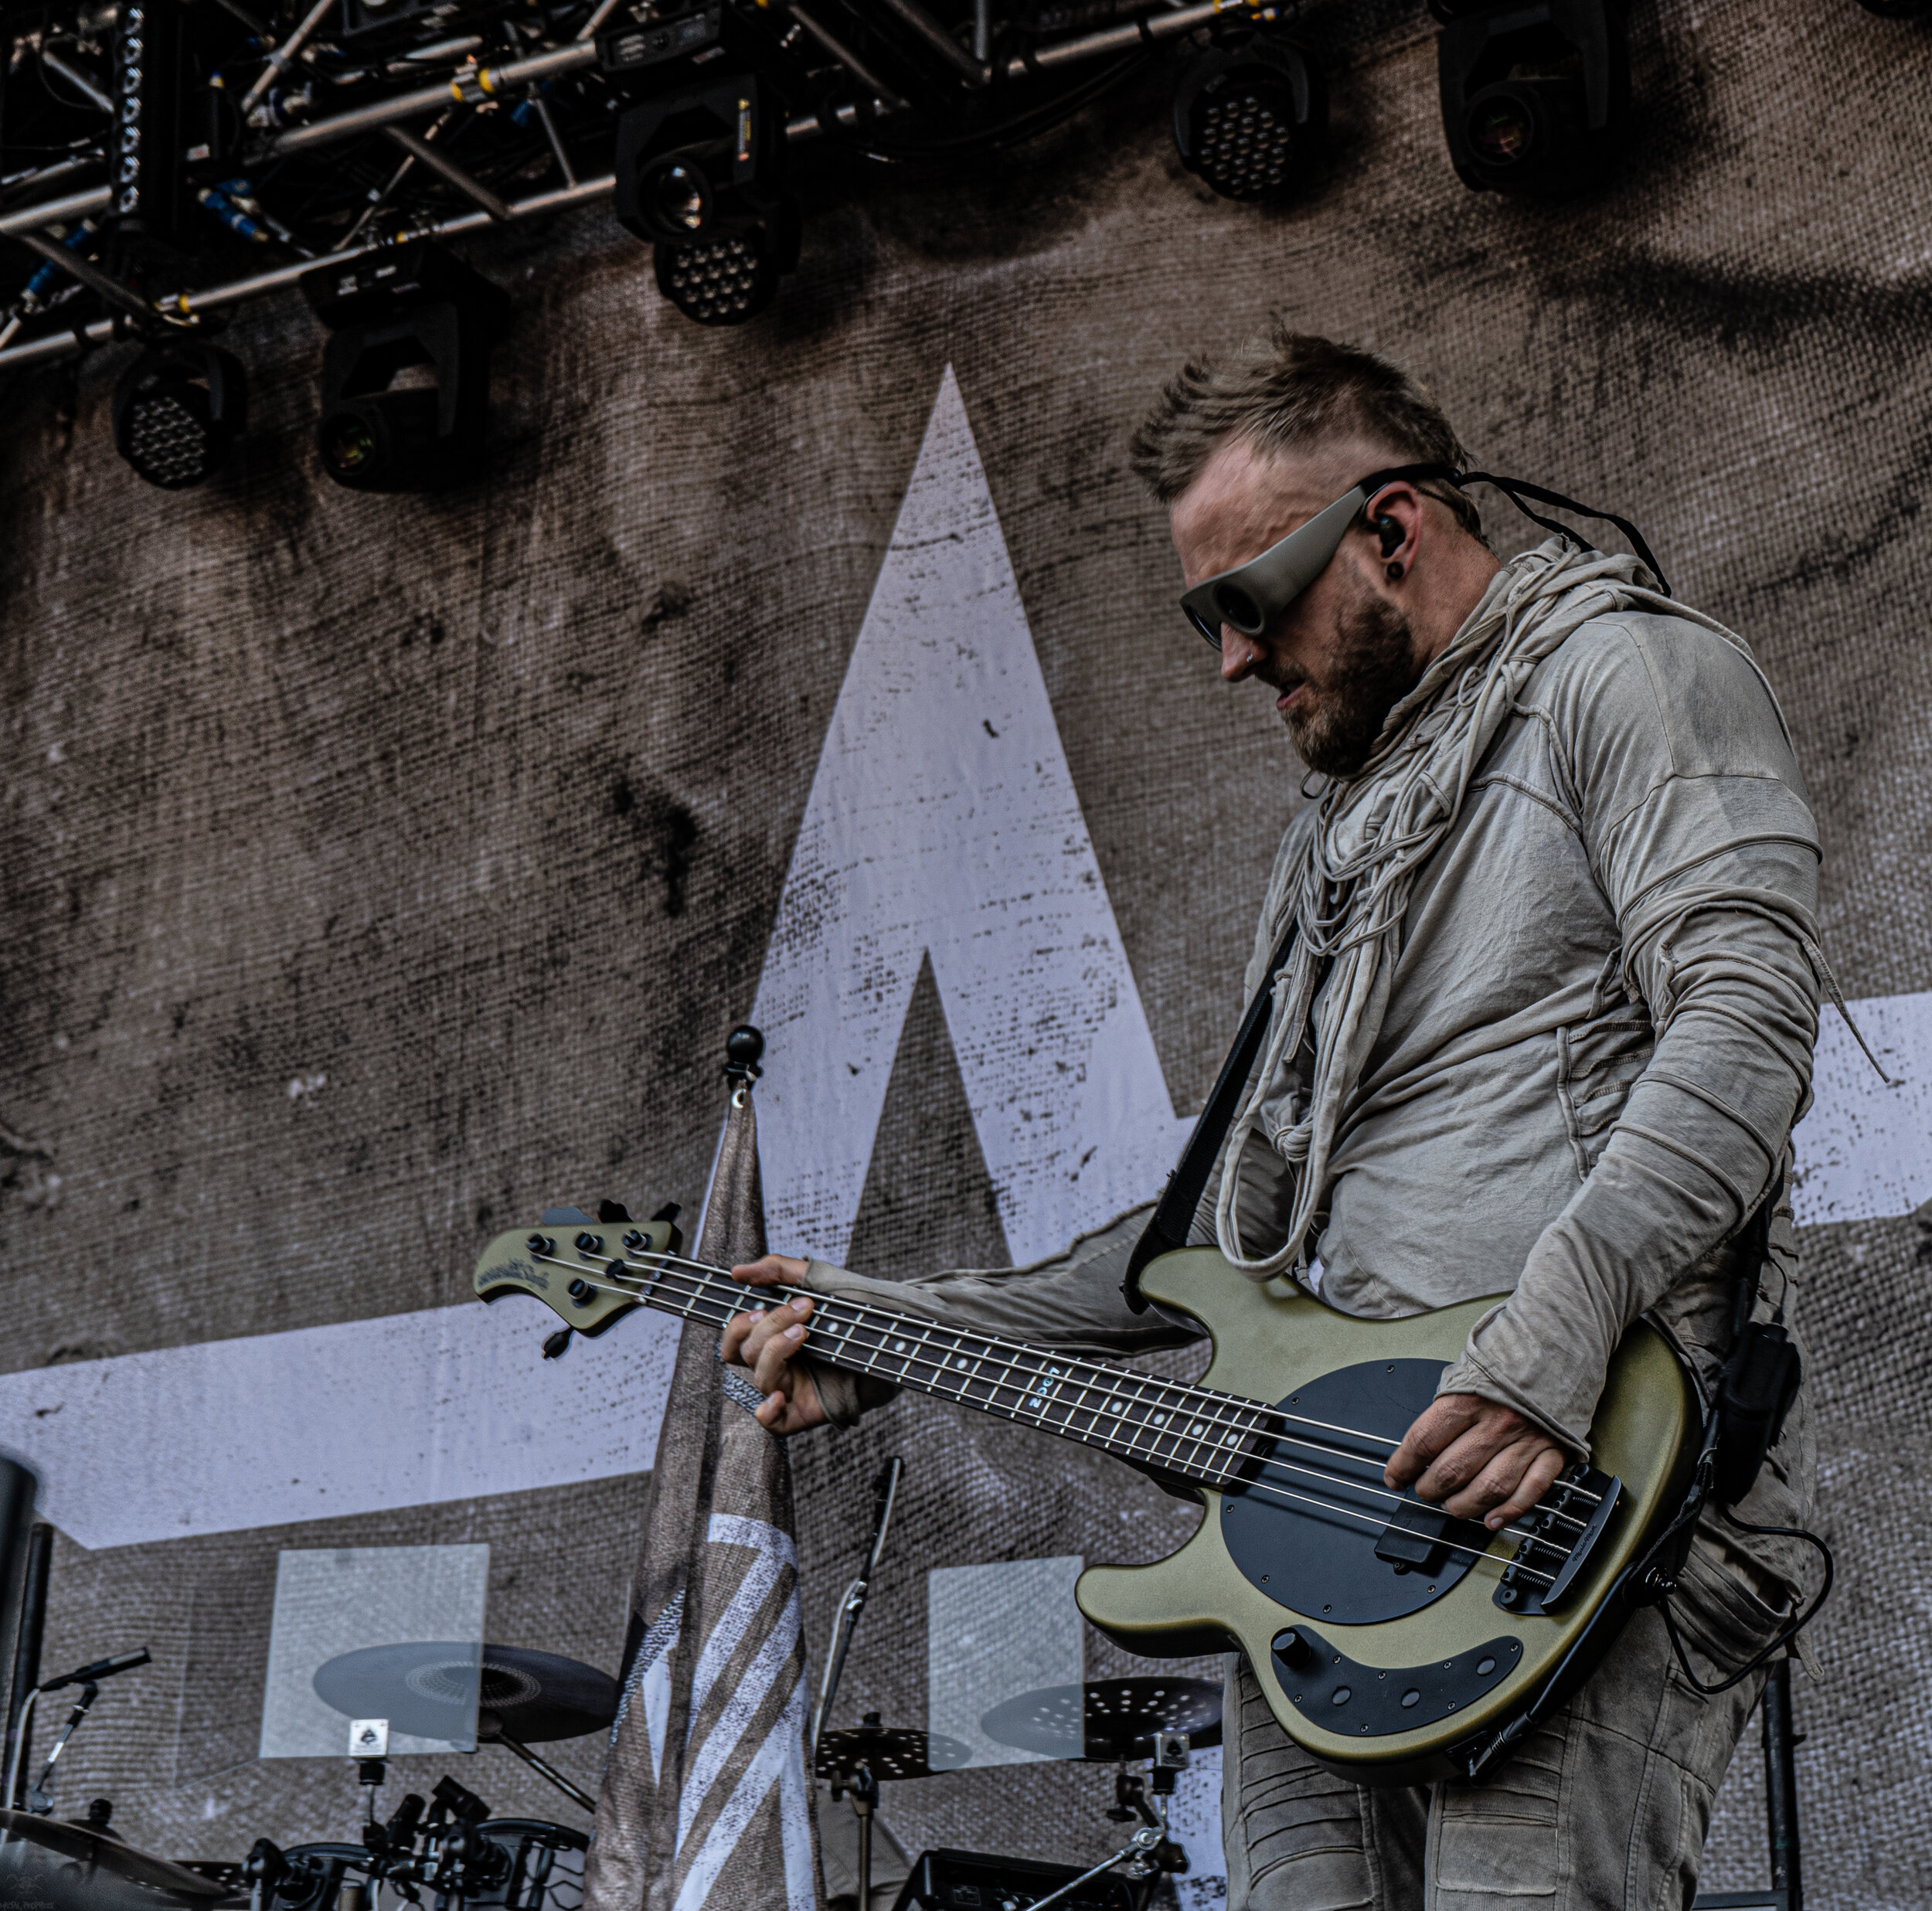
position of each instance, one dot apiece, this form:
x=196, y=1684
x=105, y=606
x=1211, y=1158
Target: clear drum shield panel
x=998, y=1638
x=375, y=1651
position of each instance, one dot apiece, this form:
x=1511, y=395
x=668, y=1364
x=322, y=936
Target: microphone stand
x=862, y=1786
x=884, y=1492
x=87, y=1678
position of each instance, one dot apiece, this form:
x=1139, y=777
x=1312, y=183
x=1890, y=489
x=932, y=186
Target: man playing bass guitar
x=1543, y=1031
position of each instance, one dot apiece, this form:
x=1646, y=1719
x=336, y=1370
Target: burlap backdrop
x=480, y=807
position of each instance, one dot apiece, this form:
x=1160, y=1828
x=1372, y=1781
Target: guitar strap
x=1173, y=1217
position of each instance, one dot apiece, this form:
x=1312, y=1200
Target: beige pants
x=1606, y=1806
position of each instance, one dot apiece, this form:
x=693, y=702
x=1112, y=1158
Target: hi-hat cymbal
x=1110, y=1719
x=82, y=1868
x=889, y=1754
x=424, y=1690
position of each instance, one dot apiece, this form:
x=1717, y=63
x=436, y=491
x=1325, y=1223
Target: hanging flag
x=705, y=1805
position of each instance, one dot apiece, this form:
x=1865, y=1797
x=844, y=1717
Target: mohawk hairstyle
x=1284, y=389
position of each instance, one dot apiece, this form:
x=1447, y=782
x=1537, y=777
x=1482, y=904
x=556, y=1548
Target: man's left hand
x=1479, y=1460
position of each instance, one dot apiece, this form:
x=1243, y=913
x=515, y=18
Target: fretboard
x=1175, y=1428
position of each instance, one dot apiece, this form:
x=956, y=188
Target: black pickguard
x=1322, y=1561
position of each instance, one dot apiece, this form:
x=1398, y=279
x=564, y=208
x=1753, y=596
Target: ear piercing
x=1394, y=574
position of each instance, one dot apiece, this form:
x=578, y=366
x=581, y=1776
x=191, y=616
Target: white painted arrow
x=943, y=821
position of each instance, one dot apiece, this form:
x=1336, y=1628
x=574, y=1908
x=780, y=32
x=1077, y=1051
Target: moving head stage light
x=698, y=171
x=391, y=315
x=1535, y=100
x=1250, y=116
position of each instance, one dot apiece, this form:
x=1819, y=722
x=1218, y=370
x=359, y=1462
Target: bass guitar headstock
x=587, y=1271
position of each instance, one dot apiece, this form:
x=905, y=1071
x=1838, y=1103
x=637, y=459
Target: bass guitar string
x=1327, y=1507
x=1200, y=1401
x=712, y=1294
x=1210, y=1402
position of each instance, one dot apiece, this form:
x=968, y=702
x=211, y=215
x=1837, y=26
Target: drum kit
x=448, y=1853
x=1112, y=1722
x=445, y=1850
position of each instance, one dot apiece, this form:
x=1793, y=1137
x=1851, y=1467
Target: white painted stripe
x=321, y=1422
x=942, y=821
x=773, y=1551
x=760, y=1676
x=775, y=1762
x=1865, y=1151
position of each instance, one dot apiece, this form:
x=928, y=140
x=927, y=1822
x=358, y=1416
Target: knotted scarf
x=1373, y=833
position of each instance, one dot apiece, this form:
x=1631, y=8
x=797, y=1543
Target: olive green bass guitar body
x=1392, y=1644
x=1390, y=1695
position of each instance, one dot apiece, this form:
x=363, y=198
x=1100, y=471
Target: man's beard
x=1373, y=670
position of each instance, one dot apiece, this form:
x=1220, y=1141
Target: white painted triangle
x=943, y=821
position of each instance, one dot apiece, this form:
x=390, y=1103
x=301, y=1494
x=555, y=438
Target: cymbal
x=889, y=1754
x=424, y=1689
x=75, y=1866
x=1109, y=1719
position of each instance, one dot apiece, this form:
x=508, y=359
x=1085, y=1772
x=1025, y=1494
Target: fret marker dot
x=1160, y=1420
x=960, y=1361
x=1230, y=1440
x=1194, y=1432
x=899, y=1346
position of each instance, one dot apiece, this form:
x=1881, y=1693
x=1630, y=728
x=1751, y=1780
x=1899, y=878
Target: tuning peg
x=608, y=1211
x=557, y=1345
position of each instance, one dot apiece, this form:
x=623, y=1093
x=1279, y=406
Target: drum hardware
x=542, y=1767
x=856, y=1760
x=885, y=1493
x=853, y=1767
x=944, y=1880
x=521, y=1696
x=1116, y=1721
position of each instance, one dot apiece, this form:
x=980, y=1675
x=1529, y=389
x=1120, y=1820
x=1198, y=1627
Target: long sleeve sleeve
x=1695, y=817
x=1071, y=1301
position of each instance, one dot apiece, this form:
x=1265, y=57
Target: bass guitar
x=1394, y=1644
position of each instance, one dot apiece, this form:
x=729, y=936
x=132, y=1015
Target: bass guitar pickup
x=1561, y=1531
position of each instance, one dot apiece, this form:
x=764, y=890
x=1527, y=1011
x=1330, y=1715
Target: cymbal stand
x=544, y=1768
x=864, y=1789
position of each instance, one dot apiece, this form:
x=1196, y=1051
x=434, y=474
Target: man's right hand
x=765, y=1343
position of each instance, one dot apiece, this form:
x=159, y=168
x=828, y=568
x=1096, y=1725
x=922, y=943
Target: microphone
x=100, y=1669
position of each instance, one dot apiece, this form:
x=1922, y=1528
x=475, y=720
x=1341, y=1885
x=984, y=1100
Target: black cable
x=1784, y=1638
x=1510, y=487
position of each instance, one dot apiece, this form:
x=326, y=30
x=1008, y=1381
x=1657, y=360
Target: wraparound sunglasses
x=1251, y=596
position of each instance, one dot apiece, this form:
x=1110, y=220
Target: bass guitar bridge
x=1563, y=1531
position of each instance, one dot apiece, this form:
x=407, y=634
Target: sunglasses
x=1251, y=596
